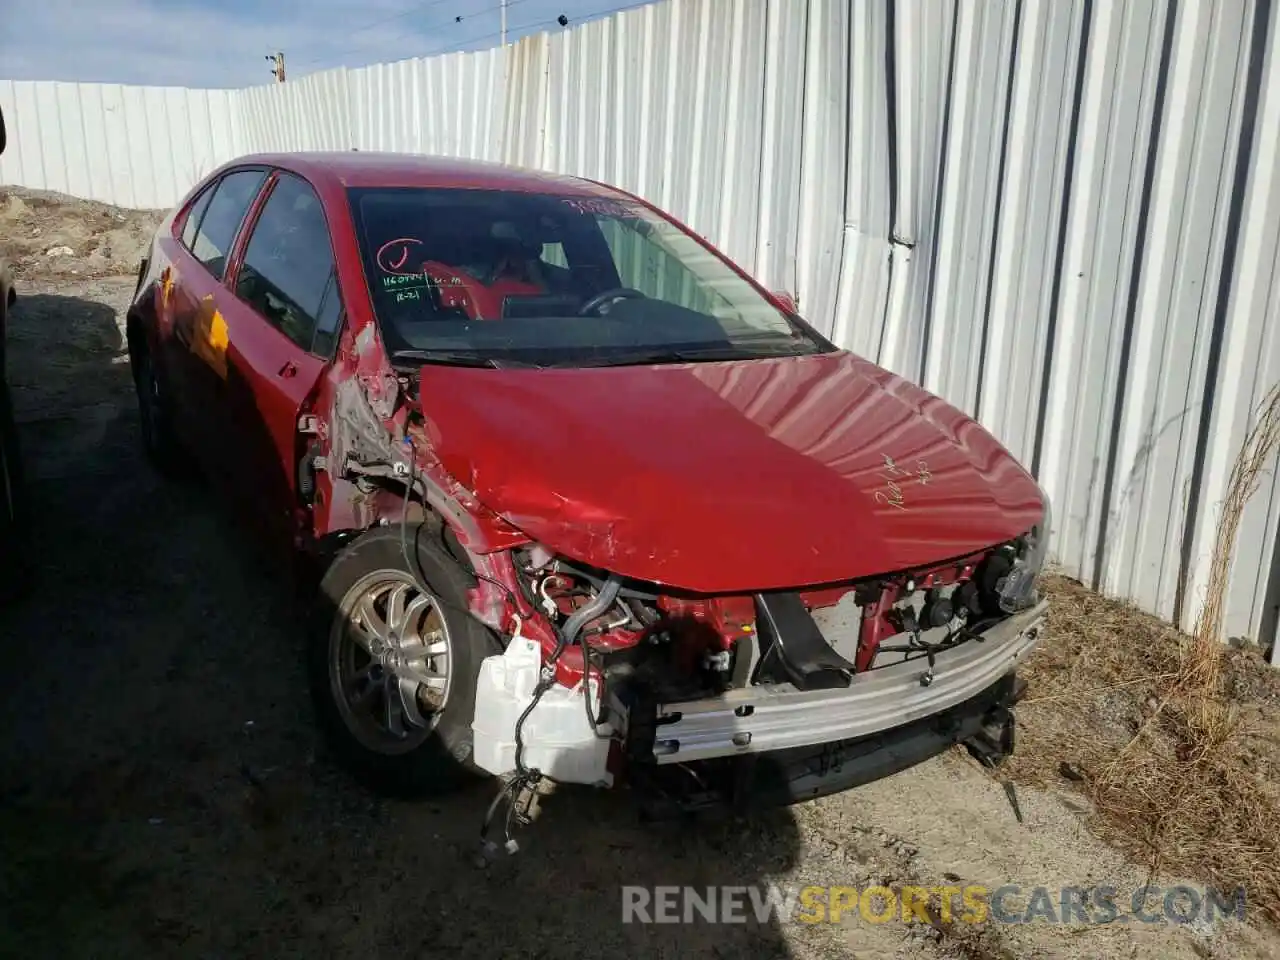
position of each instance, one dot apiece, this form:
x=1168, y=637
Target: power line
x=589, y=15
x=491, y=35
x=365, y=46
x=416, y=8
x=494, y=34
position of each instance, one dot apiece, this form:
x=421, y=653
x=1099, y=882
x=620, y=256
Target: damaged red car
x=585, y=502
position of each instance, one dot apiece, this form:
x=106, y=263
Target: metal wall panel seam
x=994, y=325
x=1256, y=274
x=1152, y=320
x=1221, y=157
x=1080, y=355
x=821, y=236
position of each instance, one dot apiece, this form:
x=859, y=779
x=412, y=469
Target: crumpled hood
x=729, y=477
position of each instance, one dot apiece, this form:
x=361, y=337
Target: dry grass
x=1174, y=738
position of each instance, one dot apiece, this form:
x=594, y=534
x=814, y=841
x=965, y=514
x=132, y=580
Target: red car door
x=192, y=296
x=282, y=313
x=174, y=307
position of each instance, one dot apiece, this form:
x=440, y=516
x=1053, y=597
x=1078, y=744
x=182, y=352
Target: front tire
x=393, y=660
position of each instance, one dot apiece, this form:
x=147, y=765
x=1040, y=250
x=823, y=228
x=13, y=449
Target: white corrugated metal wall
x=1061, y=215
x=133, y=146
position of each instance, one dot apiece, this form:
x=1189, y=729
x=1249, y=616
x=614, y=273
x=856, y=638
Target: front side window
x=222, y=218
x=288, y=272
x=494, y=277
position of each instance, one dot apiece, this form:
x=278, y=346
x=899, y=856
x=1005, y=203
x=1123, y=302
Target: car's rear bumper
x=775, y=717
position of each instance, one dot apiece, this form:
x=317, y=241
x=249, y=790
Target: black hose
x=543, y=686
x=572, y=628
x=600, y=582
x=602, y=602
x=586, y=690
x=404, y=518
x=493, y=808
x=525, y=592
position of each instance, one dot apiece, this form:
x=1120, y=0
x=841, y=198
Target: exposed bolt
x=718, y=661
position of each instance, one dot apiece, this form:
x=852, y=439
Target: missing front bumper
x=776, y=717
x=983, y=723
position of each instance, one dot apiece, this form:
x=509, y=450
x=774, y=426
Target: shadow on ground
x=162, y=789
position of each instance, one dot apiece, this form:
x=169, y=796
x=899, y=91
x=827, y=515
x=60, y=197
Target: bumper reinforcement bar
x=771, y=717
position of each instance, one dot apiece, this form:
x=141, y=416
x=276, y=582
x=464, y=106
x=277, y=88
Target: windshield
x=488, y=277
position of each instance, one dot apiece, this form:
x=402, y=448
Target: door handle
x=290, y=369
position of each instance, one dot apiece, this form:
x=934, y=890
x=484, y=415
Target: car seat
x=486, y=273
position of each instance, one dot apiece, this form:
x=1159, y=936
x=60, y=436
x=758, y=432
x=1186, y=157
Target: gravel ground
x=162, y=790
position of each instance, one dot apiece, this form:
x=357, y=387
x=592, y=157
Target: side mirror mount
x=787, y=301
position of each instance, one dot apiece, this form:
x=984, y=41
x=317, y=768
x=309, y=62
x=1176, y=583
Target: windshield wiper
x=675, y=355
x=799, y=344
x=638, y=358
x=453, y=359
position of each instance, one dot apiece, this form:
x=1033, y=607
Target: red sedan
x=588, y=503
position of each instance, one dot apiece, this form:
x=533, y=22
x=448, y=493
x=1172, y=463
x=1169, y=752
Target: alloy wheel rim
x=389, y=663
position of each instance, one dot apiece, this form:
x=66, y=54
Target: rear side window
x=222, y=218
x=288, y=273
x=194, y=215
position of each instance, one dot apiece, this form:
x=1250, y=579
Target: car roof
x=358, y=168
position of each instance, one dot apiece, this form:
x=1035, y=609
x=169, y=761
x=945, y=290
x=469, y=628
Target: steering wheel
x=609, y=296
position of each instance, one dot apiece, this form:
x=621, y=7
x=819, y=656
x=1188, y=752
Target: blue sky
x=222, y=43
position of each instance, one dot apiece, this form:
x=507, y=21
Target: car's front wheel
x=393, y=660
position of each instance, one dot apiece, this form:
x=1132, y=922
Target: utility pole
x=277, y=65
x=503, y=5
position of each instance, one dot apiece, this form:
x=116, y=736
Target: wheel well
x=328, y=546
x=138, y=320
x=135, y=339
x=418, y=511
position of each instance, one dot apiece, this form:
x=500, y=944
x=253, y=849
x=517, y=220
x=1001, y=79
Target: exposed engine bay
x=666, y=682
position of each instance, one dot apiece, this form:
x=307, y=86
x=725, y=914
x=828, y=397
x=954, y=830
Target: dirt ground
x=49, y=235
x=163, y=790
